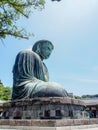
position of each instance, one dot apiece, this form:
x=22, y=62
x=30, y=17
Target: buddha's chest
x=45, y=71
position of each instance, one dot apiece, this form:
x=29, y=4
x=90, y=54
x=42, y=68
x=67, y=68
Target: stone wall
x=48, y=123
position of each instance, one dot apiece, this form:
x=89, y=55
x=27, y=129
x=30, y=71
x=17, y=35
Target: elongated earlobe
x=38, y=49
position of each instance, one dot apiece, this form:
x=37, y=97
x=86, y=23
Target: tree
x=11, y=11
x=77, y=97
x=5, y=92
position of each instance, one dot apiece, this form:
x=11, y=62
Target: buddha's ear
x=38, y=49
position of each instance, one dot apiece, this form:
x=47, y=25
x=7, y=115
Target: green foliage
x=86, y=96
x=77, y=97
x=10, y=13
x=5, y=92
x=90, y=96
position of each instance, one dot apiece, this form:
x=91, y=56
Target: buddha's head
x=43, y=48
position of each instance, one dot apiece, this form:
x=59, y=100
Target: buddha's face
x=45, y=50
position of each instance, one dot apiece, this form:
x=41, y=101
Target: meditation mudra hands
x=30, y=74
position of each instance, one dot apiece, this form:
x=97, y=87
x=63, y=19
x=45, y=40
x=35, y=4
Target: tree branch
x=13, y=34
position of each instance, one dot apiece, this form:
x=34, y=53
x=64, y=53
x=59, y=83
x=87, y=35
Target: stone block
x=81, y=121
x=4, y=122
x=21, y=122
x=93, y=121
x=64, y=122
x=43, y=123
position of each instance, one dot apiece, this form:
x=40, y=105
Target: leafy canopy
x=10, y=13
x=5, y=92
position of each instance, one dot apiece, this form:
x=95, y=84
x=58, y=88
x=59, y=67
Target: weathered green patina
x=30, y=74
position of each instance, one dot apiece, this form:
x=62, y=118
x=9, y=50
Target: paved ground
x=61, y=129
x=73, y=129
x=87, y=129
x=84, y=127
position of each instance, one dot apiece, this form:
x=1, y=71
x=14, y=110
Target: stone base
x=86, y=127
x=44, y=108
x=64, y=124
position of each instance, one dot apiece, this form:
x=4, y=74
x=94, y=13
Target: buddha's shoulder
x=29, y=52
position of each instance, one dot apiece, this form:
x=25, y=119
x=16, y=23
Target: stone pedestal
x=64, y=124
x=45, y=108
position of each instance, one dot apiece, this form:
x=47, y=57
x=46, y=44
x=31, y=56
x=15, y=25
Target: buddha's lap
x=46, y=89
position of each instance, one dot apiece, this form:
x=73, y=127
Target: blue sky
x=72, y=26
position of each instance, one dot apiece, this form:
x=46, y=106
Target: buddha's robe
x=31, y=78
